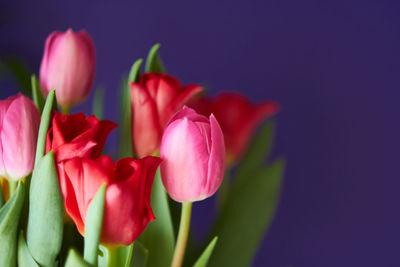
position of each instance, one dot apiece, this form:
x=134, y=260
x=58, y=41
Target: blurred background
x=332, y=65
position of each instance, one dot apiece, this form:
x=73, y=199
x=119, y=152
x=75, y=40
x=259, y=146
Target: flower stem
x=65, y=110
x=111, y=257
x=183, y=234
x=12, y=186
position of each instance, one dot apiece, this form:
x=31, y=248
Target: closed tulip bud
x=193, y=156
x=68, y=66
x=19, y=126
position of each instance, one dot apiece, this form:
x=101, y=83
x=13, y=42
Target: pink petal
x=185, y=160
x=216, y=164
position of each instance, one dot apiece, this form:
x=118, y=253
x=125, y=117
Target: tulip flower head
x=127, y=208
x=238, y=117
x=155, y=98
x=68, y=66
x=19, y=127
x=193, y=156
x=76, y=136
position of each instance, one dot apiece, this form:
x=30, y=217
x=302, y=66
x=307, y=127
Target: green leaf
x=134, y=73
x=205, y=256
x=45, y=221
x=74, y=259
x=93, y=225
x=24, y=255
x=158, y=237
x=38, y=98
x=98, y=102
x=153, y=61
x=257, y=153
x=125, y=145
x=9, y=220
x=44, y=126
x=140, y=255
x=246, y=216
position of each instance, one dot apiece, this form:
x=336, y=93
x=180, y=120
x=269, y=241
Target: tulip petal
x=105, y=128
x=185, y=160
x=86, y=177
x=162, y=88
x=45, y=62
x=4, y=104
x=188, y=92
x=216, y=163
x=188, y=113
x=146, y=132
x=19, y=136
x=134, y=191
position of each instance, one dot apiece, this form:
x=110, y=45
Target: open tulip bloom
x=64, y=201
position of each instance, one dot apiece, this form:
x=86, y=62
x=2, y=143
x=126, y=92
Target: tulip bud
x=19, y=126
x=193, y=156
x=68, y=66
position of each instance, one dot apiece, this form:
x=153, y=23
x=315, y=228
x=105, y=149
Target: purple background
x=332, y=65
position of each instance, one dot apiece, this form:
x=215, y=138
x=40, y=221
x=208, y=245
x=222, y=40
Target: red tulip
x=68, y=66
x=154, y=100
x=19, y=127
x=238, y=117
x=127, y=201
x=76, y=136
x=193, y=154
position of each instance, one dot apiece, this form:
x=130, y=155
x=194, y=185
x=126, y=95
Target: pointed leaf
x=98, y=103
x=45, y=221
x=158, y=237
x=125, y=145
x=93, y=225
x=9, y=220
x=153, y=61
x=24, y=255
x=246, y=216
x=205, y=256
x=134, y=73
x=76, y=260
x=140, y=255
x=37, y=95
x=44, y=126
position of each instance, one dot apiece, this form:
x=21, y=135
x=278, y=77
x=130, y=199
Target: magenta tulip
x=68, y=66
x=19, y=126
x=193, y=156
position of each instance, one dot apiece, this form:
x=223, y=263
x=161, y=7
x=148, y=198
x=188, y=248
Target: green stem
x=12, y=187
x=65, y=110
x=183, y=234
x=111, y=257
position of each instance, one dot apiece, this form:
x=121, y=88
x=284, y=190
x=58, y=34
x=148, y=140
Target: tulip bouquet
x=65, y=203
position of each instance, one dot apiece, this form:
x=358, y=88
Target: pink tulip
x=193, y=156
x=19, y=126
x=68, y=66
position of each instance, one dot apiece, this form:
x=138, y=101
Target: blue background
x=332, y=65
